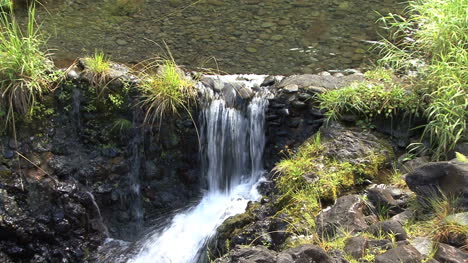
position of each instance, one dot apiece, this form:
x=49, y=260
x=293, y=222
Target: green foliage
x=124, y=7
x=308, y=179
x=122, y=125
x=26, y=72
x=461, y=158
x=368, y=100
x=431, y=38
x=165, y=90
x=98, y=63
x=6, y=4
x=431, y=219
x=98, y=67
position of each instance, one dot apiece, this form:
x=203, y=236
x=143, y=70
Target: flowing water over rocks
x=247, y=36
x=233, y=140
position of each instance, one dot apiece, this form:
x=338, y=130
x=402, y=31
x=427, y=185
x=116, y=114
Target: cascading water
x=233, y=141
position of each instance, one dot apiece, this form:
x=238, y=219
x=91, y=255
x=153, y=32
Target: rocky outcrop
x=347, y=213
x=448, y=178
x=448, y=254
x=304, y=253
x=403, y=254
x=89, y=169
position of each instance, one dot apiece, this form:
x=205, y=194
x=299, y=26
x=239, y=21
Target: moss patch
x=315, y=176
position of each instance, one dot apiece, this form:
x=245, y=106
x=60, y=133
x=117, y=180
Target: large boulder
x=401, y=254
x=449, y=178
x=448, y=254
x=308, y=253
x=354, y=145
x=252, y=255
x=347, y=213
x=260, y=254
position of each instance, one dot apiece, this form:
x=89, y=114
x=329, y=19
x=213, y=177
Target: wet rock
x=346, y=213
x=402, y=254
x=269, y=81
x=356, y=247
x=389, y=227
x=448, y=254
x=245, y=93
x=283, y=112
x=299, y=105
x=214, y=83
x=451, y=178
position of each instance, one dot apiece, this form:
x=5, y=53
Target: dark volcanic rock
x=308, y=253
x=356, y=247
x=449, y=254
x=252, y=255
x=389, y=227
x=353, y=145
x=346, y=213
x=451, y=178
x=401, y=254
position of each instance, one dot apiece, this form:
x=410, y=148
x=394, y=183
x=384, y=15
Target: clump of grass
x=98, y=67
x=26, y=72
x=165, y=90
x=431, y=219
x=431, y=40
x=377, y=96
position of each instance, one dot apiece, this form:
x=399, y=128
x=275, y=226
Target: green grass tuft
x=26, y=72
x=165, y=90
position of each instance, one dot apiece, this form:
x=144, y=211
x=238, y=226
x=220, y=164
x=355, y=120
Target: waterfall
x=102, y=226
x=232, y=131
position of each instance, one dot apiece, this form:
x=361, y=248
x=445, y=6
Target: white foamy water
x=233, y=141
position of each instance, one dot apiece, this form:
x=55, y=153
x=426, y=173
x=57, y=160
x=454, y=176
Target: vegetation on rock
x=26, y=72
x=165, y=90
x=428, y=42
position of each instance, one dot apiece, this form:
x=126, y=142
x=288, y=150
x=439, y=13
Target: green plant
x=121, y=125
x=98, y=67
x=369, y=100
x=165, y=90
x=461, y=158
x=431, y=39
x=431, y=219
x=308, y=178
x=125, y=7
x=26, y=72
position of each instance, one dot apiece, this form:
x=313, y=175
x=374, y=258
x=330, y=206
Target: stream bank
x=73, y=178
